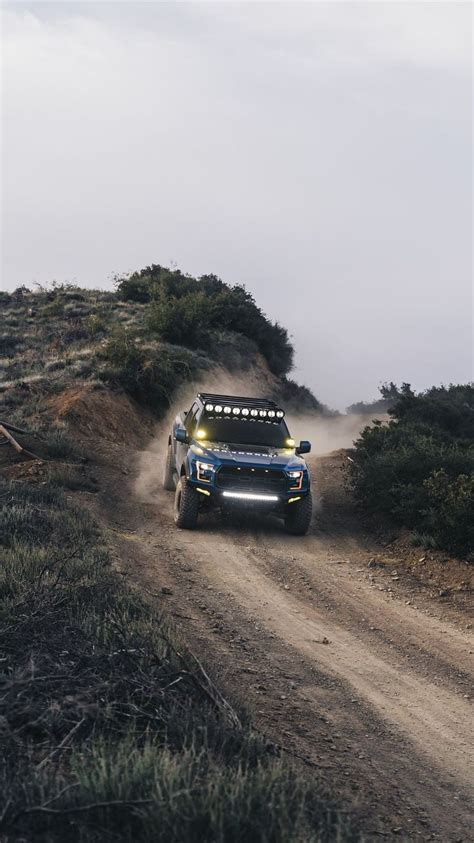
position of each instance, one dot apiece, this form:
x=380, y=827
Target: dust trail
x=325, y=434
x=328, y=434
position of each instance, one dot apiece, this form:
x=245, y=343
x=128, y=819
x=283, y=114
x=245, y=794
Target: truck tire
x=168, y=476
x=186, y=505
x=298, y=516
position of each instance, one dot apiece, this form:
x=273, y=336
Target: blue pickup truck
x=231, y=452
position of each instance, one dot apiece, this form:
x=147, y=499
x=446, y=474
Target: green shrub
x=183, y=321
x=148, y=375
x=449, y=514
x=403, y=469
x=187, y=311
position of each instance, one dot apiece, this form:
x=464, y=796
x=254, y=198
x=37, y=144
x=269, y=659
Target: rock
x=166, y=590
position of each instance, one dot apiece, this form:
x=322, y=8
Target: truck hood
x=252, y=455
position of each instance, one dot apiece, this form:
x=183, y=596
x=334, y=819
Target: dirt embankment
x=345, y=658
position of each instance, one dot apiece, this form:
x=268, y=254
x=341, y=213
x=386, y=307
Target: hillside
x=235, y=683
x=155, y=333
x=114, y=725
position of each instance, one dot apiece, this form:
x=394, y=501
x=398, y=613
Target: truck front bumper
x=246, y=498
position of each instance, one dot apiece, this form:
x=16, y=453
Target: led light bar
x=249, y=496
x=236, y=407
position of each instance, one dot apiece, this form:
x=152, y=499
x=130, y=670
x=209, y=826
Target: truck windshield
x=244, y=431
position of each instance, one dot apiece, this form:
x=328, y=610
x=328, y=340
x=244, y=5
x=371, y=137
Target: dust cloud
x=325, y=434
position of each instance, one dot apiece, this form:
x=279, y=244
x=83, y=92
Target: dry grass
x=110, y=730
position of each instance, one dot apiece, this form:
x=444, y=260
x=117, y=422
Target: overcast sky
x=320, y=153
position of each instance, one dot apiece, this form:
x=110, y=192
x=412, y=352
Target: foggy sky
x=319, y=153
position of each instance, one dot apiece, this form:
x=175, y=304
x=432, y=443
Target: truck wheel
x=186, y=505
x=168, y=476
x=298, y=516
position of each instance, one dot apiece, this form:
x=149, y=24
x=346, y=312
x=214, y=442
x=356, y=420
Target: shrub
x=58, y=444
x=182, y=321
x=148, y=375
x=186, y=311
x=450, y=508
x=418, y=469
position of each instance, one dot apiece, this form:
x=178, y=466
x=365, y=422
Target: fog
x=319, y=153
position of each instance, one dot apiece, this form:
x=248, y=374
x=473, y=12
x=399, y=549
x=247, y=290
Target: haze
x=319, y=153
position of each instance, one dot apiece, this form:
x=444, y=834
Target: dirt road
x=342, y=658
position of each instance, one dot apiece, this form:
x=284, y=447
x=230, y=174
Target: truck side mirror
x=304, y=447
x=181, y=436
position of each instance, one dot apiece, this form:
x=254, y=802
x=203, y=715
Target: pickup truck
x=230, y=452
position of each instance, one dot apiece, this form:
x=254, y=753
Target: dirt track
x=346, y=664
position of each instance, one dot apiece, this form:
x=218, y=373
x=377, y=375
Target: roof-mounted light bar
x=272, y=413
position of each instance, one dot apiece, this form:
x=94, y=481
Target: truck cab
x=232, y=452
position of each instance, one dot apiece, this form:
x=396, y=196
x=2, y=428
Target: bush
x=449, y=515
x=186, y=311
x=148, y=375
x=183, y=321
x=419, y=468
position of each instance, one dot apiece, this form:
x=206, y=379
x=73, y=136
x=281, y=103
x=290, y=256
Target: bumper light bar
x=249, y=496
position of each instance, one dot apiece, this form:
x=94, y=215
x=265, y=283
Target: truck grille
x=251, y=480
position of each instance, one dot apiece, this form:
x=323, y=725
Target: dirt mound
x=106, y=414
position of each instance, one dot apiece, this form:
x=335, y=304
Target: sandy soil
x=344, y=659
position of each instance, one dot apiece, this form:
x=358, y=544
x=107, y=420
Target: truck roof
x=236, y=399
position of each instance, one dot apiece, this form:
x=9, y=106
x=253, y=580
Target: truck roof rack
x=236, y=399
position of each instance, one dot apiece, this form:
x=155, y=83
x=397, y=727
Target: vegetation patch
x=419, y=469
x=188, y=311
x=110, y=730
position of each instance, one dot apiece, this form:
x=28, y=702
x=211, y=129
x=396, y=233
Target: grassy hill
x=157, y=331
x=111, y=727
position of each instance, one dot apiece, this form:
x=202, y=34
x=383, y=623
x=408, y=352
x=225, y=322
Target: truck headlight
x=296, y=479
x=204, y=471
